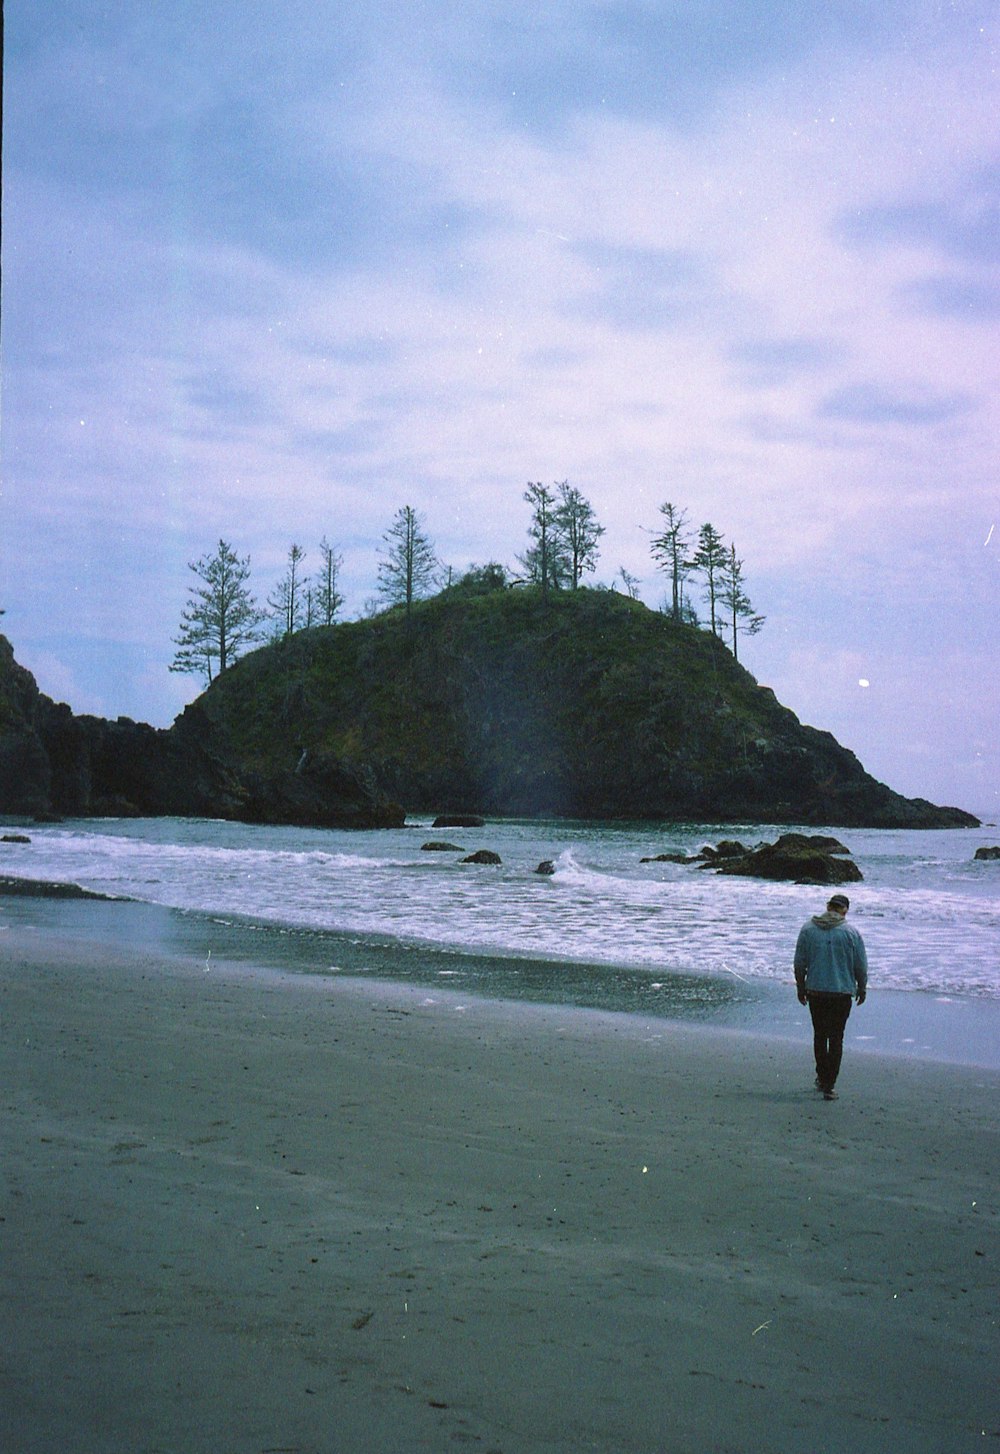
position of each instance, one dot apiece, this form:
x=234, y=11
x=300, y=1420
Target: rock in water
x=792, y=865
x=483, y=855
x=35, y=888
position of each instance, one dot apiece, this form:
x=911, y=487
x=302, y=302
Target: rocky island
x=581, y=704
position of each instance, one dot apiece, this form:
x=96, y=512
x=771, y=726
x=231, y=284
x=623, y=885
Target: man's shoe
x=829, y=1094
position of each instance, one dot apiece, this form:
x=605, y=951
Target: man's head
x=839, y=904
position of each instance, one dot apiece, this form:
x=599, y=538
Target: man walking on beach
x=830, y=968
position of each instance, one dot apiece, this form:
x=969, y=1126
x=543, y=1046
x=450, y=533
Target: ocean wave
x=929, y=923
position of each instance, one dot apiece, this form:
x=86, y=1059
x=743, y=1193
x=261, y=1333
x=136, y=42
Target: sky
x=271, y=272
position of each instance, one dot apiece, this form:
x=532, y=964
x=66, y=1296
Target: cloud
x=966, y=298
x=962, y=225
x=645, y=288
x=765, y=363
x=870, y=403
x=675, y=60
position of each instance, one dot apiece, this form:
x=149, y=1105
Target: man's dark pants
x=829, y=1017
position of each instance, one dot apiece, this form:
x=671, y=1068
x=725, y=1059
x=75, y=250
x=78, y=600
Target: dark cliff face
x=585, y=705
x=53, y=763
x=25, y=769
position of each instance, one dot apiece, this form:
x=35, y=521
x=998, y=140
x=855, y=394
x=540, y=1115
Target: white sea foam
x=931, y=921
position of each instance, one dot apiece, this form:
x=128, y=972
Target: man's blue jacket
x=830, y=957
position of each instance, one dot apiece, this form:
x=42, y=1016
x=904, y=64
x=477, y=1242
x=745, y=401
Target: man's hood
x=829, y=920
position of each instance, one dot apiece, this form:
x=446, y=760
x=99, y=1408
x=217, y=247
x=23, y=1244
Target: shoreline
x=248, y=1208
x=918, y=1025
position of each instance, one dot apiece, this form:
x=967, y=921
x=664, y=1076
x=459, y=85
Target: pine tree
x=545, y=560
x=287, y=603
x=709, y=560
x=221, y=618
x=669, y=550
x=577, y=532
x=733, y=596
x=408, y=567
x=327, y=599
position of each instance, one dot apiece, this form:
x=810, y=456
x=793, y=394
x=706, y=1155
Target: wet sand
x=246, y=1211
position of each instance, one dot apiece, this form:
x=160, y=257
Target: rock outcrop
x=585, y=705
x=794, y=858
x=322, y=791
x=53, y=763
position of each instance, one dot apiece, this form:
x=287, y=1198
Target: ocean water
x=605, y=929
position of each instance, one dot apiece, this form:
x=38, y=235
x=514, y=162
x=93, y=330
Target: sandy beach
x=253, y=1212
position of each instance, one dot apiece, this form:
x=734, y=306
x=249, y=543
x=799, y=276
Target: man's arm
x=860, y=968
x=801, y=964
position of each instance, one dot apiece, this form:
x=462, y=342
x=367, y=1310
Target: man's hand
x=860, y=996
x=802, y=997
